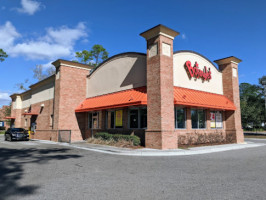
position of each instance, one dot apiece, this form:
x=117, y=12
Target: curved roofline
x=117, y=55
x=190, y=51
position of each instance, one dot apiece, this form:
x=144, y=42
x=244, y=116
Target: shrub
x=2, y=128
x=117, y=137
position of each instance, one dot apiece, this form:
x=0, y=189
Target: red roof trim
x=196, y=98
x=131, y=97
x=138, y=96
x=10, y=118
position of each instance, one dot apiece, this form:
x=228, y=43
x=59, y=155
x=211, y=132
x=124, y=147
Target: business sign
x=2, y=124
x=216, y=119
x=212, y=119
x=196, y=72
x=118, y=118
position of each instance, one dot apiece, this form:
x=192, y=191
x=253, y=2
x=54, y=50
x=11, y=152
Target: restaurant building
x=166, y=98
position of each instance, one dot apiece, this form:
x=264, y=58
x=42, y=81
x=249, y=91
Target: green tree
x=3, y=55
x=93, y=57
x=262, y=81
x=252, y=104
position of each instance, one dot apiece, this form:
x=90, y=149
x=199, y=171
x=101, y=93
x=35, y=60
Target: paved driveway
x=33, y=170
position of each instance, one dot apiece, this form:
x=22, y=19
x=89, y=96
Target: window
x=138, y=118
x=216, y=119
x=143, y=118
x=25, y=123
x=93, y=120
x=198, y=119
x=114, y=119
x=180, y=117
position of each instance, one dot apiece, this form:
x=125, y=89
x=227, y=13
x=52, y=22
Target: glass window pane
x=180, y=118
x=89, y=120
x=95, y=120
x=219, y=119
x=202, y=118
x=212, y=119
x=112, y=122
x=143, y=118
x=194, y=118
x=133, y=117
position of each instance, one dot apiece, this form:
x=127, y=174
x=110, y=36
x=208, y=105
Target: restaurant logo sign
x=196, y=72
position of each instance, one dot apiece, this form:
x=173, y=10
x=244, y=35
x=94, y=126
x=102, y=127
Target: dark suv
x=16, y=134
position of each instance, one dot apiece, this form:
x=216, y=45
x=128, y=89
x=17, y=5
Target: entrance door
x=33, y=122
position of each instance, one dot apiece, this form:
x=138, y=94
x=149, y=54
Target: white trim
x=234, y=62
x=66, y=65
x=161, y=33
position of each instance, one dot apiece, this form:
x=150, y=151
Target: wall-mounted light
x=42, y=105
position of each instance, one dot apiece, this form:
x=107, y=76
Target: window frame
x=175, y=121
x=205, y=120
x=215, y=111
x=90, y=120
x=114, y=111
x=139, y=116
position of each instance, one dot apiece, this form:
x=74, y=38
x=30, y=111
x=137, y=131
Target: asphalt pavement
x=34, y=170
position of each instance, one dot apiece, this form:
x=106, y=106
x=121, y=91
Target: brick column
x=16, y=109
x=160, y=109
x=70, y=91
x=229, y=68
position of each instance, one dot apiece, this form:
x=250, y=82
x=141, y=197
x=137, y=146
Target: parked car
x=16, y=134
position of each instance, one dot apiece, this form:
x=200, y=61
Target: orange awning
x=138, y=96
x=10, y=118
x=132, y=97
x=195, y=98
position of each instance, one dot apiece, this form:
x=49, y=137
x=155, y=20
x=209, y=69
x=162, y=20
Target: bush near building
x=118, y=137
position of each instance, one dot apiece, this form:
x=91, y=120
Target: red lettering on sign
x=198, y=73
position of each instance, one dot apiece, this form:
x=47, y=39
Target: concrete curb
x=154, y=152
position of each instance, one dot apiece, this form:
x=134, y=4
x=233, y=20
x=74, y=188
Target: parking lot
x=36, y=170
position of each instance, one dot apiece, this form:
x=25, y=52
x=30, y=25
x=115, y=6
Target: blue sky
x=36, y=32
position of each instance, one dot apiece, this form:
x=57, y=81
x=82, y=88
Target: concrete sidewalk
x=154, y=152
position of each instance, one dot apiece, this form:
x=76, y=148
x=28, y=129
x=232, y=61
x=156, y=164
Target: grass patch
x=2, y=132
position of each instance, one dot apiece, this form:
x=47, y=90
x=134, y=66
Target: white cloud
x=29, y=6
x=183, y=36
x=3, y=8
x=57, y=42
x=47, y=65
x=4, y=98
x=8, y=35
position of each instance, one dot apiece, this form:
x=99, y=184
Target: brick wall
x=160, y=109
x=70, y=91
x=51, y=135
x=234, y=131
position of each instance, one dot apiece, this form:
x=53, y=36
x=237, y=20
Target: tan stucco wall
x=38, y=94
x=181, y=78
x=26, y=100
x=16, y=103
x=120, y=73
x=42, y=93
